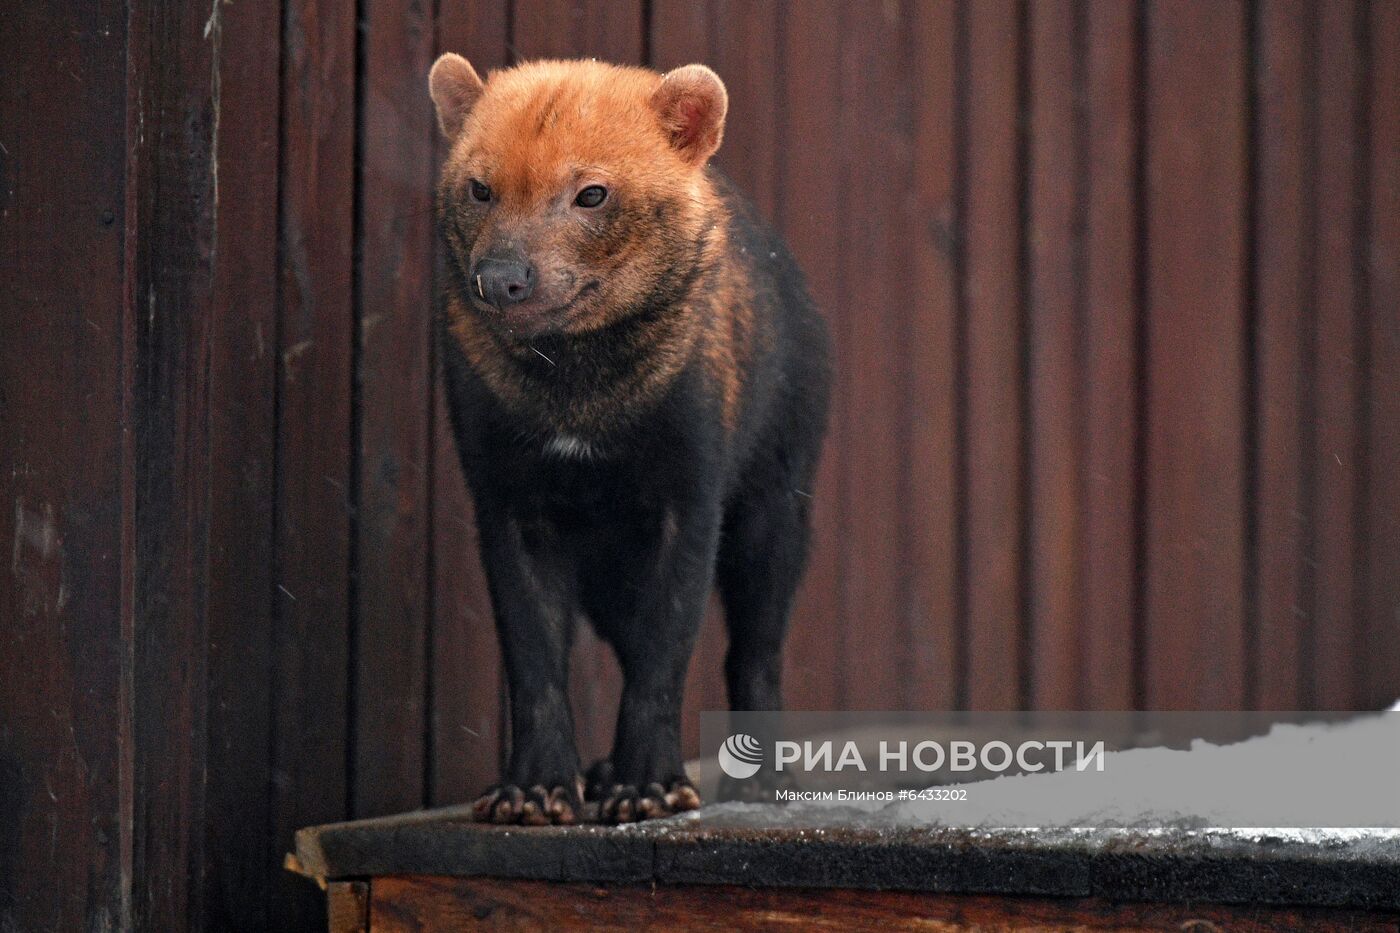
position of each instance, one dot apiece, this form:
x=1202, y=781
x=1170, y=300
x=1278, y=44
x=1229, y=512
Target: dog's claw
x=625, y=803
x=538, y=806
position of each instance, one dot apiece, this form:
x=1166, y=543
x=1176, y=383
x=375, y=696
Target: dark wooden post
x=65, y=356
x=111, y=116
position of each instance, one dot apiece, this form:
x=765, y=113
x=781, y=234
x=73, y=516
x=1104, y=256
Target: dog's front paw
x=628, y=803
x=536, y=805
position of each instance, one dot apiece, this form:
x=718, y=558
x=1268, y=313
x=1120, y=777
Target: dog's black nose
x=503, y=282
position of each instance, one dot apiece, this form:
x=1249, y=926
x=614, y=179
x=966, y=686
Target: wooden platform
x=727, y=868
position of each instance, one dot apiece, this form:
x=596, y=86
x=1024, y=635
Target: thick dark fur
x=672, y=498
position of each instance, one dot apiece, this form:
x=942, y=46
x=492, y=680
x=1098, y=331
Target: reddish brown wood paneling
x=394, y=284
x=812, y=94
x=1196, y=213
x=316, y=326
x=1110, y=375
x=1054, y=246
x=931, y=611
x=172, y=93
x=993, y=367
x=871, y=342
x=399, y=904
x=239, y=850
x=65, y=805
x=1381, y=264
x=1282, y=247
x=612, y=30
x=1333, y=411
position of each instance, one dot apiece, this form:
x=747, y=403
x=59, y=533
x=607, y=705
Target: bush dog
x=638, y=387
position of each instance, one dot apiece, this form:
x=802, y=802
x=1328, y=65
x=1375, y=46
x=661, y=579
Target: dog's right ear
x=455, y=88
x=691, y=103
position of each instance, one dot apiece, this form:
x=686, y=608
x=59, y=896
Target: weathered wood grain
x=240, y=854
x=1282, y=247
x=1381, y=262
x=607, y=29
x=1112, y=322
x=1196, y=266
x=932, y=604
x=171, y=249
x=993, y=436
x=1333, y=414
x=315, y=348
x=347, y=906
x=809, y=217
x=718, y=849
x=394, y=302
x=421, y=903
x=65, y=614
x=1054, y=323
x=872, y=351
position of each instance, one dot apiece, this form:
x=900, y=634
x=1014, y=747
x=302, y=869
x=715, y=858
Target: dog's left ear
x=691, y=103
x=455, y=88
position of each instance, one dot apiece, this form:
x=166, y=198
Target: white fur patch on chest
x=570, y=447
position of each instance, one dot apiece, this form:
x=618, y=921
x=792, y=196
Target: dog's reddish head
x=574, y=192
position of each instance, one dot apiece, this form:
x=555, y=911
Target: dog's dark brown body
x=638, y=385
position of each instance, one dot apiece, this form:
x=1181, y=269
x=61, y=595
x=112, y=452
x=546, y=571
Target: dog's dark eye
x=591, y=196
x=480, y=192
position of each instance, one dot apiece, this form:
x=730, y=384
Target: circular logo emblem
x=740, y=756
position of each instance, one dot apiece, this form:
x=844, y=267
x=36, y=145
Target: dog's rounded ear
x=455, y=88
x=691, y=103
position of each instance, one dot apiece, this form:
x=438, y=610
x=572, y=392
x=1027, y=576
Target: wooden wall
x=1116, y=296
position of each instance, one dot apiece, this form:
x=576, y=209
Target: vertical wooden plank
x=1052, y=319
x=877, y=143
x=171, y=248
x=1382, y=268
x=813, y=97
x=1196, y=194
x=347, y=906
x=611, y=31
x=681, y=33
x=315, y=338
x=242, y=445
x=1110, y=348
x=395, y=273
x=65, y=781
x=1334, y=616
x=931, y=609
x=992, y=299
x=465, y=674
x=1281, y=279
